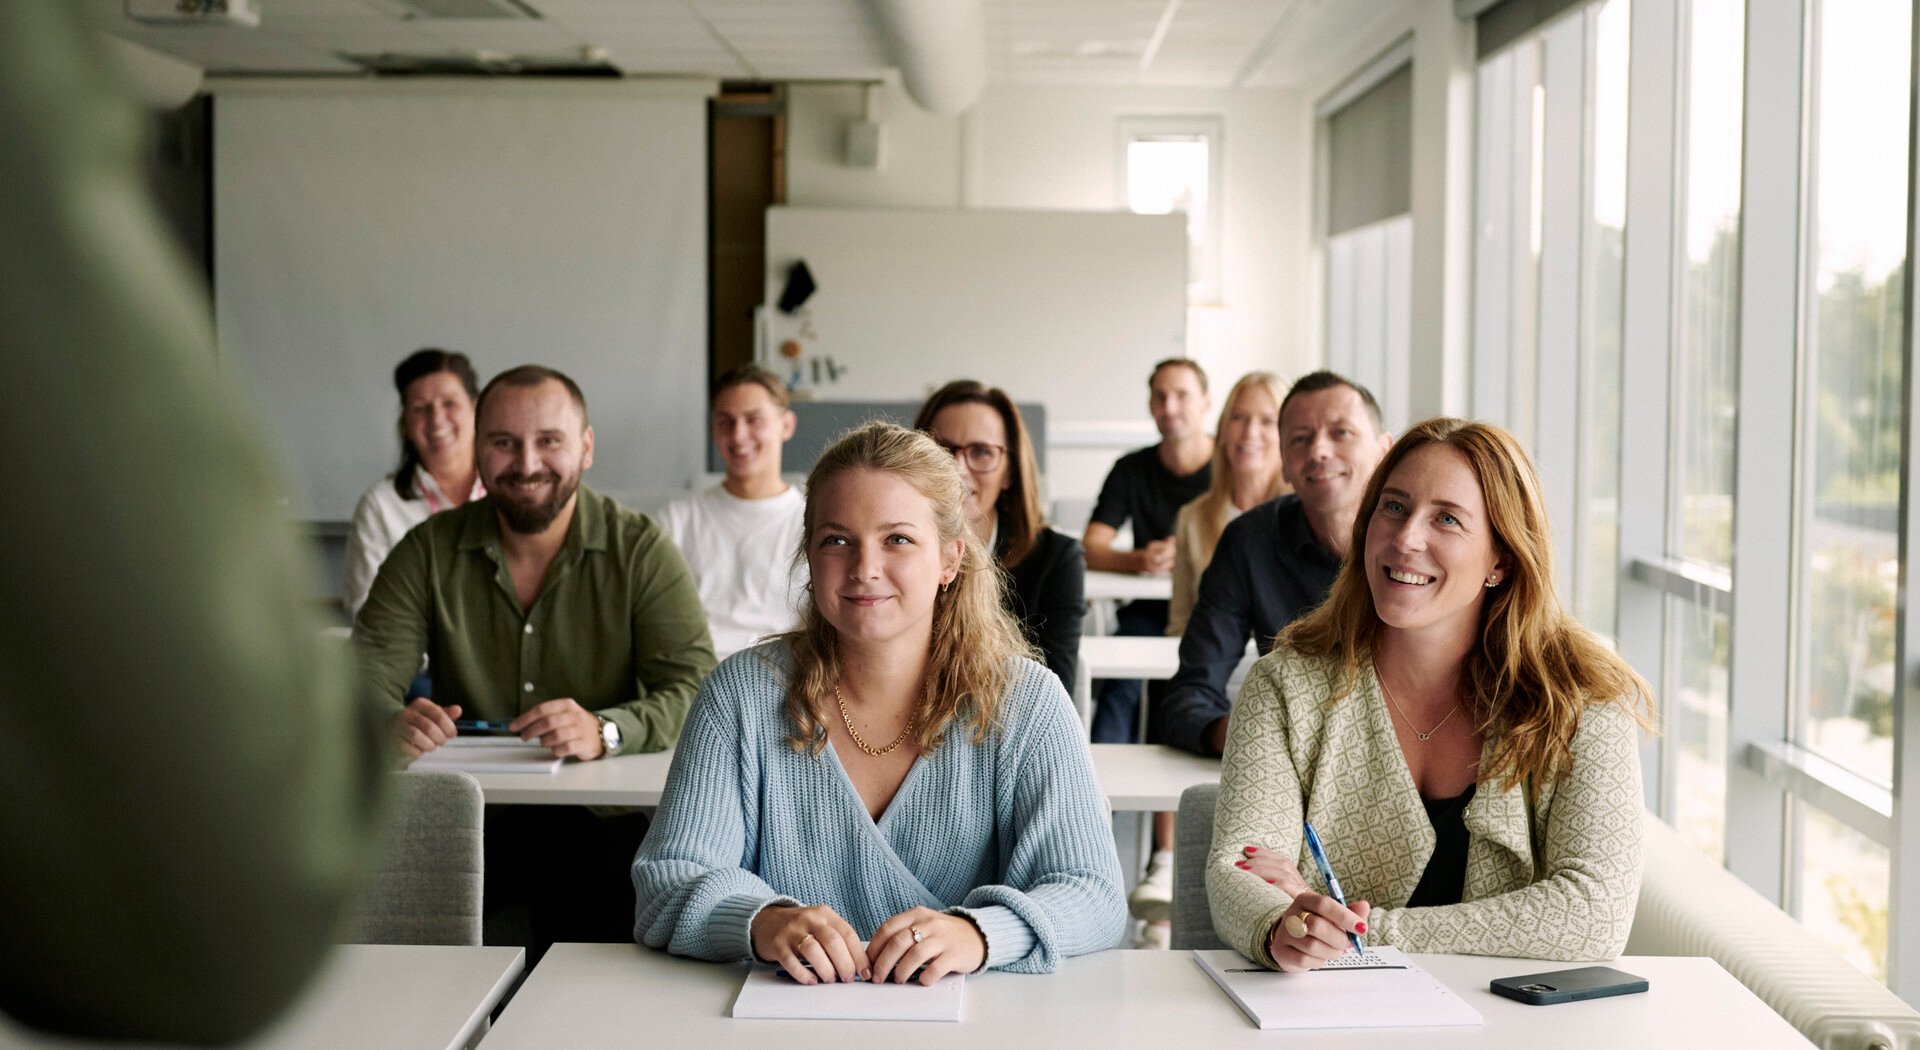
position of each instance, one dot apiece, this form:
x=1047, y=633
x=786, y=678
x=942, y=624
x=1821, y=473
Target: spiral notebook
x=1377, y=988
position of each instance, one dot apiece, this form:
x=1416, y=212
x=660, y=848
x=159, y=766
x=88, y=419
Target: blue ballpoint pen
x=1326, y=873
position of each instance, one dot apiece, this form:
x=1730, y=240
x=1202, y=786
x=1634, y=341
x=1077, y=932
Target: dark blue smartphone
x=1566, y=986
x=482, y=727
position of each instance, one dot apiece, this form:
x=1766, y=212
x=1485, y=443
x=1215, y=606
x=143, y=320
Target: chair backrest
x=426, y=889
x=1192, y=838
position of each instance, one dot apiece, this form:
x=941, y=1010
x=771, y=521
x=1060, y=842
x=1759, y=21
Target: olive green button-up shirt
x=617, y=625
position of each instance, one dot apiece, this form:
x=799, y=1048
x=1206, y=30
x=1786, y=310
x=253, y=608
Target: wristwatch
x=610, y=736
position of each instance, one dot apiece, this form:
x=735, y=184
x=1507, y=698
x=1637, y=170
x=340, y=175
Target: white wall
x=1054, y=147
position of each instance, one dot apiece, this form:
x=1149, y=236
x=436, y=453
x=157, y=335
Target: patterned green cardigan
x=1555, y=878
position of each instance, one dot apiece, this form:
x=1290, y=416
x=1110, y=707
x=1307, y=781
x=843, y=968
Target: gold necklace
x=880, y=752
x=1384, y=691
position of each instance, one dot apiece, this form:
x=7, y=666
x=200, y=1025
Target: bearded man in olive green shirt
x=544, y=605
x=555, y=610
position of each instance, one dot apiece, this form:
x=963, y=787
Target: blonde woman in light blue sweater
x=897, y=786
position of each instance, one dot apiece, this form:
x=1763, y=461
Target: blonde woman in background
x=1246, y=473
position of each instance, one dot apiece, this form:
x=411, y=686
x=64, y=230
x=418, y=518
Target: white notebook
x=513, y=757
x=1378, y=988
x=765, y=994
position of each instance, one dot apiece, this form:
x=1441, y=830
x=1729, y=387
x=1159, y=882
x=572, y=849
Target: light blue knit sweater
x=1012, y=832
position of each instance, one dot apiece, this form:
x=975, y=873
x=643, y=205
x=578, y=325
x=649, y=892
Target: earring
x=947, y=584
x=1493, y=581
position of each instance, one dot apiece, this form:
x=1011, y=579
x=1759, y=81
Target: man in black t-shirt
x=1147, y=487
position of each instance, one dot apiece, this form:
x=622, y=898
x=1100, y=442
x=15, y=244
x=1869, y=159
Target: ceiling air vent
x=467, y=9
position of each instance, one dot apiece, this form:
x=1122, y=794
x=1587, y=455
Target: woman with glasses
x=1246, y=473
x=894, y=787
x=1046, y=570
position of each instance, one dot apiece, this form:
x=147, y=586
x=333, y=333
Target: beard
x=530, y=517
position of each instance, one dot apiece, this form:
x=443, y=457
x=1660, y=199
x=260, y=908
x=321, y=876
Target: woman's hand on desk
x=424, y=725
x=812, y=944
x=931, y=942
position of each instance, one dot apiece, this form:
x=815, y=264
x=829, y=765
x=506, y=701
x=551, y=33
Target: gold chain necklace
x=877, y=752
x=1384, y=691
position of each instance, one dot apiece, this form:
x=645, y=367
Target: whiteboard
x=1068, y=308
x=561, y=224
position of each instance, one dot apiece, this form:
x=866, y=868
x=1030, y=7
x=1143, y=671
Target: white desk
x=371, y=995
x=1134, y=777
x=1121, y=656
x=593, y=995
x=414, y=995
x=1126, y=586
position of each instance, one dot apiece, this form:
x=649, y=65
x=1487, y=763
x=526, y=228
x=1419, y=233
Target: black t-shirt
x=1141, y=489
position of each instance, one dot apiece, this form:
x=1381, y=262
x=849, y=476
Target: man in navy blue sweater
x=1276, y=561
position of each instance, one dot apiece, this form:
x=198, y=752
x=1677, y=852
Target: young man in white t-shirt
x=740, y=536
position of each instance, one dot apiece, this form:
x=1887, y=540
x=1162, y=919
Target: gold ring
x=802, y=942
x=918, y=934
x=1296, y=925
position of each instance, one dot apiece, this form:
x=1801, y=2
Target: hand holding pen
x=1315, y=928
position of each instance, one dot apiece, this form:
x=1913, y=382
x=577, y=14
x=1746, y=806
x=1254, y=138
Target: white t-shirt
x=379, y=520
x=741, y=552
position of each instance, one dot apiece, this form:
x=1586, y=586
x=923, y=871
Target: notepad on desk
x=767, y=995
x=499, y=756
x=1377, y=988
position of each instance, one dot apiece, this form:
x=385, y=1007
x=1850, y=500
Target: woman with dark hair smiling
x=1466, y=750
x=437, y=390
x=893, y=787
x=1046, y=570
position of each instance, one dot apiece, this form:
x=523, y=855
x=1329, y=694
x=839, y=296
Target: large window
x=1550, y=219
x=1172, y=164
x=1701, y=404
x=1847, y=545
x=1705, y=271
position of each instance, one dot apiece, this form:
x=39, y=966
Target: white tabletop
x=413, y=995
x=400, y=995
x=1126, y=586
x=1121, y=656
x=1133, y=777
x=592, y=995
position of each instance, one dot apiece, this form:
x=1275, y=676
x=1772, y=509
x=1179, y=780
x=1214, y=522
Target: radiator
x=1691, y=906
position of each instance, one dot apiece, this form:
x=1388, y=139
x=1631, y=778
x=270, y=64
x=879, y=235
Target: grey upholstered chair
x=1193, y=837
x=426, y=887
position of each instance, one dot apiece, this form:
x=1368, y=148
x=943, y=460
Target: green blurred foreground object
x=187, y=795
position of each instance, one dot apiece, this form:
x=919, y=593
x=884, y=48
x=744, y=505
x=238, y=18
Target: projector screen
x=556, y=223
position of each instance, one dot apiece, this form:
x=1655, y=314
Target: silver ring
x=918, y=934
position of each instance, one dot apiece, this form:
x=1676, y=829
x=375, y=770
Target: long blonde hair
x=974, y=637
x=1214, y=506
x=1536, y=668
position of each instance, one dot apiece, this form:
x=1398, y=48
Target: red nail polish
x=1359, y=927
x=1242, y=864
x=1270, y=882
x=1253, y=849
